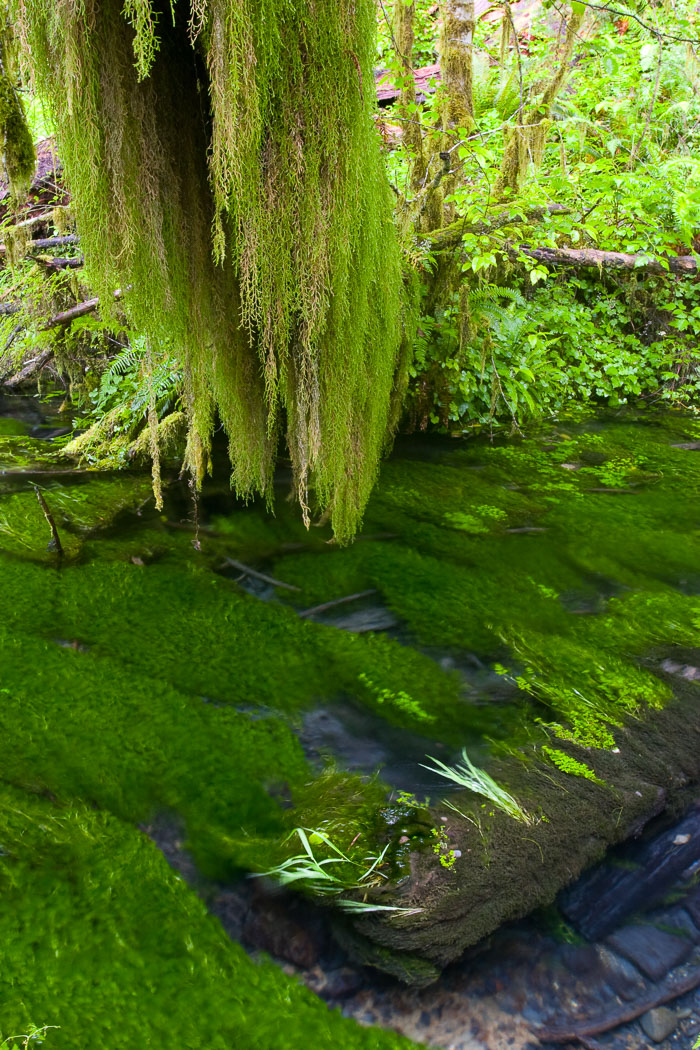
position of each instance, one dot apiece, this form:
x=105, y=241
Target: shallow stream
x=219, y=671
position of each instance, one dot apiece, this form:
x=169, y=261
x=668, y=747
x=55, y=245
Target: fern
x=127, y=360
x=494, y=292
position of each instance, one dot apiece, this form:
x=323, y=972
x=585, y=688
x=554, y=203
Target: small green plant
x=442, y=849
x=401, y=700
x=31, y=1038
x=329, y=877
x=473, y=778
x=570, y=765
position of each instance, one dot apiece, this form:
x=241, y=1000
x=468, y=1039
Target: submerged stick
x=55, y=542
x=259, y=575
x=338, y=601
x=631, y=1013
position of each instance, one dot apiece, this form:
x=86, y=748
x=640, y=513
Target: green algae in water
x=563, y=581
x=103, y=940
x=143, y=688
x=77, y=509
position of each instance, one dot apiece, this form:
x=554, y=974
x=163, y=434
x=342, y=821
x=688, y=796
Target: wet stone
x=692, y=904
x=334, y=985
x=231, y=909
x=620, y=975
x=273, y=930
x=659, y=1023
x=676, y=920
x=581, y=959
x=654, y=952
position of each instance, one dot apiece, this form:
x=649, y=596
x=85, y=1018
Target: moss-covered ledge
x=506, y=868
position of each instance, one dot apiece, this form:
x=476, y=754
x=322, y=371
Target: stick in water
x=55, y=543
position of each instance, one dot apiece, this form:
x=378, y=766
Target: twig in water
x=55, y=543
x=630, y=1013
x=259, y=575
x=338, y=601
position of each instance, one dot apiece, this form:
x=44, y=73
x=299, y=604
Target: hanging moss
x=456, y=40
x=225, y=170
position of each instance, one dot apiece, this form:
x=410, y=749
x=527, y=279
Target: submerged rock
x=658, y=1024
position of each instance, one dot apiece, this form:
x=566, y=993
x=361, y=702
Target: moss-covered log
x=223, y=165
x=506, y=868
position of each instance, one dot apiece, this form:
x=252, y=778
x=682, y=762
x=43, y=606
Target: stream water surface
x=208, y=678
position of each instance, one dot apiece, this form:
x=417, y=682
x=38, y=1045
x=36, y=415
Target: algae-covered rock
x=559, y=580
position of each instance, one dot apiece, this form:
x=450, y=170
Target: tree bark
x=456, y=45
x=526, y=142
x=404, y=18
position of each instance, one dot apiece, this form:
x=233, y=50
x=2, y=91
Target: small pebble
x=659, y=1023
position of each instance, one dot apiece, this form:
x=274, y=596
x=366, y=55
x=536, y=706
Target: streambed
x=525, y=599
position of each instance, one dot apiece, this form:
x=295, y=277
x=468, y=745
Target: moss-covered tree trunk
x=225, y=170
x=456, y=64
x=525, y=144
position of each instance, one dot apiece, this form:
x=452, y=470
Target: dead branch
x=451, y=236
x=338, y=601
x=631, y=1013
x=37, y=220
x=79, y=310
x=247, y=571
x=55, y=541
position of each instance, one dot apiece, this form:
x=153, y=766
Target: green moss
x=456, y=577
x=104, y=941
x=77, y=509
x=18, y=153
x=159, y=685
x=81, y=725
x=569, y=765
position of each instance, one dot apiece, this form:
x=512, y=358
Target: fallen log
x=54, y=263
x=607, y=895
x=594, y=259
x=42, y=243
x=450, y=238
x=505, y=867
x=30, y=369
